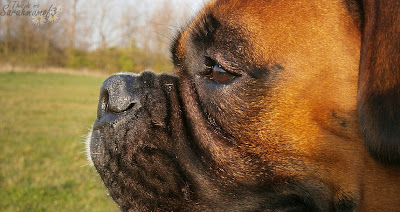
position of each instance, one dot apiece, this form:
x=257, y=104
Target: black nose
x=118, y=94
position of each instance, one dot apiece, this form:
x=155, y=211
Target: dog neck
x=380, y=185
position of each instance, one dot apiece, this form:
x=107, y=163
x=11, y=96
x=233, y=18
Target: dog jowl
x=259, y=115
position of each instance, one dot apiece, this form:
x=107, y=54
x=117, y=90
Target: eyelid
x=222, y=64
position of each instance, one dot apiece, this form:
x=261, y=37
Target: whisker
x=97, y=153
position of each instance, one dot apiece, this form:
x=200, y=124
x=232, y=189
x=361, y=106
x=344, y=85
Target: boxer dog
x=275, y=105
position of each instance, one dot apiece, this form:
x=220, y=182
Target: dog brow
x=205, y=29
x=202, y=33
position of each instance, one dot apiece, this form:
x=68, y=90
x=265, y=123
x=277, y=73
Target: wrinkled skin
x=260, y=115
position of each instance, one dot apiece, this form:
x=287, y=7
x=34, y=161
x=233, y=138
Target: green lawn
x=43, y=120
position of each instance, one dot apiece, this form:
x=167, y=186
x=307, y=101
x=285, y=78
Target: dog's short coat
x=275, y=105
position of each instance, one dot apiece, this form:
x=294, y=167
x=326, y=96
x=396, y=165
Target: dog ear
x=378, y=98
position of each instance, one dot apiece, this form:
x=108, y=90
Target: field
x=43, y=121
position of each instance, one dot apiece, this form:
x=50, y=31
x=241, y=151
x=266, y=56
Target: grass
x=43, y=167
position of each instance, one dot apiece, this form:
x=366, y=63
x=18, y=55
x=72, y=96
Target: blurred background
x=101, y=35
x=51, y=68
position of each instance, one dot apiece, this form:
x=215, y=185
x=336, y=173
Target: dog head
x=261, y=114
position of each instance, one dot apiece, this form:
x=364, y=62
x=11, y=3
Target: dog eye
x=217, y=73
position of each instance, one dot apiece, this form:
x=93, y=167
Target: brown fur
x=379, y=81
x=283, y=136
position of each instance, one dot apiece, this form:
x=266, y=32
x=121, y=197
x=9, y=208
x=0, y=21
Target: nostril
x=120, y=106
x=118, y=94
x=130, y=106
x=103, y=104
x=107, y=104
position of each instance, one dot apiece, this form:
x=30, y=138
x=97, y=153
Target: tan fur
x=266, y=112
x=309, y=125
